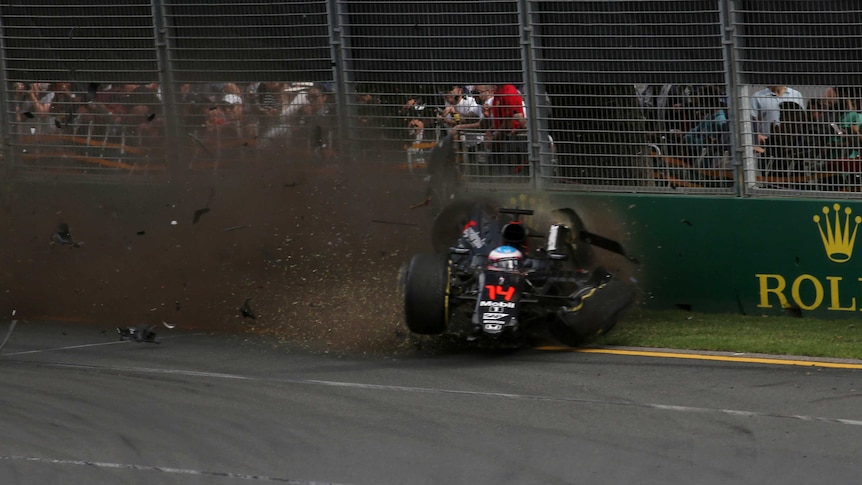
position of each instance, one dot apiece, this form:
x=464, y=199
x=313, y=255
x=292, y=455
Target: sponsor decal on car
x=497, y=304
x=494, y=315
x=495, y=292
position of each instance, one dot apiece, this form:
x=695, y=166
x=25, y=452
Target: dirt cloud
x=315, y=248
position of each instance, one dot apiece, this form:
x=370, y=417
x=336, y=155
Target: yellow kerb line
x=722, y=358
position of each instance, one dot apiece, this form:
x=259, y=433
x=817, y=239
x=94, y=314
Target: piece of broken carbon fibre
x=142, y=334
x=246, y=311
x=63, y=236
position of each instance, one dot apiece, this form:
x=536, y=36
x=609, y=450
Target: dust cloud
x=313, y=248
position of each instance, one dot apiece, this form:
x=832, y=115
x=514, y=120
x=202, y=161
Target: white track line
x=500, y=395
x=176, y=471
x=99, y=344
x=663, y=407
x=83, y=346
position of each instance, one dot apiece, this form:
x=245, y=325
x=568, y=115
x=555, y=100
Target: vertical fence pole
x=166, y=83
x=5, y=132
x=731, y=78
x=338, y=74
x=532, y=94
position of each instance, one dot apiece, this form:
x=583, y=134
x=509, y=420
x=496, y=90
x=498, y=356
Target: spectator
x=765, y=111
x=41, y=97
x=302, y=114
x=708, y=139
x=65, y=105
x=270, y=98
x=789, y=144
x=370, y=117
x=231, y=88
x=270, y=103
x=215, y=119
x=307, y=102
x=485, y=94
x=849, y=136
x=146, y=128
x=462, y=115
x=415, y=118
x=508, y=121
x=668, y=106
x=829, y=105
x=21, y=102
x=485, y=97
x=822, y=132
x=458, y=106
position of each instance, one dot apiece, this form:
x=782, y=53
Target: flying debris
x=198, y=214
x=169, y=325
x=69, y=118
x=246, y=310
x=142, y=334
x=63, y=236
x=205, y=209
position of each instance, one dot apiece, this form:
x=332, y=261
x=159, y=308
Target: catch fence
x=651, y=96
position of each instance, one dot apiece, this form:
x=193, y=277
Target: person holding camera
x=462, y=117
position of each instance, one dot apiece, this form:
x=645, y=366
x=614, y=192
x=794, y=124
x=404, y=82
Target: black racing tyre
x=426, y=294
x=602, y=306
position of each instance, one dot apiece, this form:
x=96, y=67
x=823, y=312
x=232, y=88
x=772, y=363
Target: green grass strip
x=840, y=339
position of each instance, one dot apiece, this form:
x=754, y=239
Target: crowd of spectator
x=264, y=114
x=486, y=122
x=85, y=109
x=689, y=123
x=789, y=133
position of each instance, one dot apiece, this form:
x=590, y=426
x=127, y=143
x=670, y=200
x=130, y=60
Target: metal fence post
x=731, y=76
x=531, y=91
x=166, y=84
x=338, y=72
x=6, y=150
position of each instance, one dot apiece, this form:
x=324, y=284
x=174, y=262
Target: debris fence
x=724, y=97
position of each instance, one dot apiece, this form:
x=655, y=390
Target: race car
x=497, y=286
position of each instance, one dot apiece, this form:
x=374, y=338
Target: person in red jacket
x=508, y=111
x=509, y=123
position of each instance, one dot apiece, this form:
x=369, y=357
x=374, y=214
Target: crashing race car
x=492, y=287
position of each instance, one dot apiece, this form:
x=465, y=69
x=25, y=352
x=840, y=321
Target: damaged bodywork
x=504, y=283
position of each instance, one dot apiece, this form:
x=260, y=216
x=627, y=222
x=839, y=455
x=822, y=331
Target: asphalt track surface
x=80, y=406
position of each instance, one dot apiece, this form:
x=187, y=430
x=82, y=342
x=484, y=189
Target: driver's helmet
x=505, y=258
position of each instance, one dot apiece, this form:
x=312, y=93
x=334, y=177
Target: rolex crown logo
x=838, y=237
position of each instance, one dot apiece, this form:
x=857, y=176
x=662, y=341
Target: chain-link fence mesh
x=725, y=97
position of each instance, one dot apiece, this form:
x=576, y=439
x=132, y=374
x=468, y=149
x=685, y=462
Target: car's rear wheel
x=426, y=294
x=601, y=304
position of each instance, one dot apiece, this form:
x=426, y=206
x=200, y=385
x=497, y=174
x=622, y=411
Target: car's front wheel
x=426, y=294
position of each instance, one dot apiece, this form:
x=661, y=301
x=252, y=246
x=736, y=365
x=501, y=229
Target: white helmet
x=505, y=258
